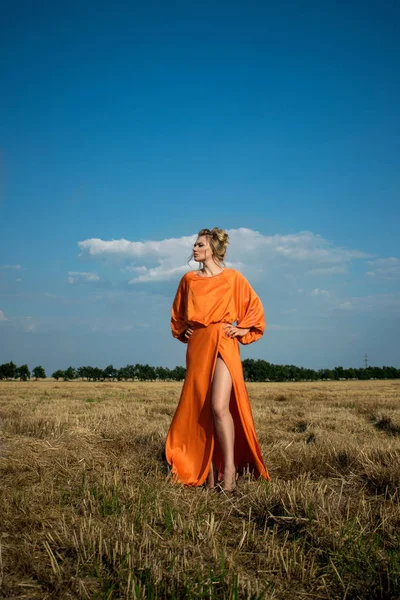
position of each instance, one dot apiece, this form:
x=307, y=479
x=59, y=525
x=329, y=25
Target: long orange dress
x=206, y=304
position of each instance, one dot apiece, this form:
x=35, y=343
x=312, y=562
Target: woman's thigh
x=221, y=387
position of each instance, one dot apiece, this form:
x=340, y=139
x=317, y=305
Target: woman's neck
x=211, y=270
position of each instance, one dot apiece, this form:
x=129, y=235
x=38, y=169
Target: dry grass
x=87, y=509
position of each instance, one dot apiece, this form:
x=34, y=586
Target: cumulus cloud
x=319, y=292
x=16, y=267
x=388, y=268
x=159, y=273
x=25, y=324
x=76, y=277
x=29, y=324
x=338, y=269
x=347, y=305
x=156, y=260
x=133, y=250
x=378, y=301
x=383, y=303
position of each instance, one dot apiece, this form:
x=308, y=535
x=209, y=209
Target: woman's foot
x=229, y=479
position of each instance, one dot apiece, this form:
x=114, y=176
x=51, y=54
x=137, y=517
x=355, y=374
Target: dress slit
x=243, y=455
x=217, y=455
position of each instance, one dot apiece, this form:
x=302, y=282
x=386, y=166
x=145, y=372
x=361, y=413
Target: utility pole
x=366, y=360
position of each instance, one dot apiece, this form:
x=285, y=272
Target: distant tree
x=7, y=370
x=122, y=374
x=262, y=370
x=391, y=372
x=97, y=373
x=363, y=374
x=350, y=373
x=134, y=372
x=23, y=373
x=88, y=372
x=248, y=368
x=325, y=374
x=253, y=370
x=146, y=373
x=39, y=373
x=59, y=374
x=85, y=372
x=178, y=374
x=110, y=373
x=69, y=373
x=338, y=373
x=162, y=373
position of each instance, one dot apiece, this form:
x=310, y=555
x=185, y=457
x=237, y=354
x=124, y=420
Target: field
x=88, y=510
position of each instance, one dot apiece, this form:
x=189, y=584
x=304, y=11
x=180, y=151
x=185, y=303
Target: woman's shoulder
x=234, y=273
x=188, y=276
x=236, y=277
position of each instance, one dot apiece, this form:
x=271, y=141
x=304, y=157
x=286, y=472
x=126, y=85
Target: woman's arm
x=178, y=313
x=250, y=311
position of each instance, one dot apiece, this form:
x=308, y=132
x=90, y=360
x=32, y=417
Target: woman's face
x=202, y=249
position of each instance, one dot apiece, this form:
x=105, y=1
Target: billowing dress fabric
x=206, y=304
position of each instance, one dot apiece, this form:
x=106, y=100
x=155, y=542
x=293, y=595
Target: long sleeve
x=250, y=310
x=178, y=313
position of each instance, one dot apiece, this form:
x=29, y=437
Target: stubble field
x=87, y=508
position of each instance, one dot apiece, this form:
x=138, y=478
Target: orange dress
x=206, y=304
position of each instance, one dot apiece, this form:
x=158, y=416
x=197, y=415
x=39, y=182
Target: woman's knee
x=220, y=411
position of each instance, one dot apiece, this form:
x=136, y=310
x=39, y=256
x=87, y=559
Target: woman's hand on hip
x=188, y=332
x=232, y=331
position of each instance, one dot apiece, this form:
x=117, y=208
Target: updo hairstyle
x=219, y=240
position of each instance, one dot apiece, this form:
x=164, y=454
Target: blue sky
x=146, y=122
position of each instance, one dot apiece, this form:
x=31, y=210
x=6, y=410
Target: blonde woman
x=212, y=435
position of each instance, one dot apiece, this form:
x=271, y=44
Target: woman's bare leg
x=212, y=476
x=223, y=422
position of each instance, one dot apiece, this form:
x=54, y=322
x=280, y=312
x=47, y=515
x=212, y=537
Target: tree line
x=253, y=370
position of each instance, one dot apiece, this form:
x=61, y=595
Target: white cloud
x=159, y=273
x=339, y=269
x=345, y=305
x=131, y=269
x=17, y=267
x=378, y=302
x=318, y=292
x=388, y=268
x=2, y=316
x=29, y=324
x=76, y=277
x=302, y=246
x=133, y=250
x=275, y=327
x=157, y=260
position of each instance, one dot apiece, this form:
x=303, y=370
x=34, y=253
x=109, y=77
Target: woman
x=212, y=433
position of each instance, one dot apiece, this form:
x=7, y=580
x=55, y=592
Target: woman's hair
x=219, y=240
